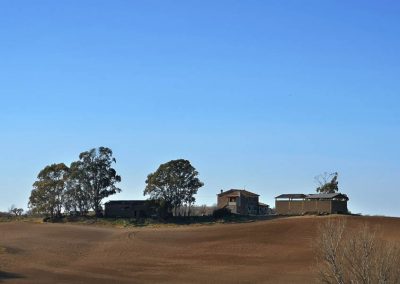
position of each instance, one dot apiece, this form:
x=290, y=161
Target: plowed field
x=270, y=251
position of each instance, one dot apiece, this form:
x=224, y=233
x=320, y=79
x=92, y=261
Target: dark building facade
x=127, y=209
x=299, y=204
x=263, y=209
x=240, y=201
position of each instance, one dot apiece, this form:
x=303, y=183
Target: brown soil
x=271, y=251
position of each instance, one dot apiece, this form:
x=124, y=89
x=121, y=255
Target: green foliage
x=77, y=196
x=173, y=184
x=328, y=183
x=78, y=188
x=95, y=177
x=47, y=194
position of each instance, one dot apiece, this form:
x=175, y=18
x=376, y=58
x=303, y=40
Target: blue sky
x=257, y=94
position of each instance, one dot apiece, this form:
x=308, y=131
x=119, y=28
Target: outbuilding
x=127, y=209
x=300, y=204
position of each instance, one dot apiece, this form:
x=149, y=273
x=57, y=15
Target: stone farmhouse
x=242, y=202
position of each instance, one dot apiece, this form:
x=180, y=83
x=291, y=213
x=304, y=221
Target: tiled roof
x=313, y=196
x=292, y=196
x=125, y=202
x=327, y=196
x=242, y=191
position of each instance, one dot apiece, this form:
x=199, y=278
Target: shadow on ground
x=8, y=275
x=176, y=220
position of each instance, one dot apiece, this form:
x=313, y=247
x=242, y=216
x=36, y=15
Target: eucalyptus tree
x=77, y=197
x=328, y=182
x=97, y=178
x=173, y=184
x=47, y=196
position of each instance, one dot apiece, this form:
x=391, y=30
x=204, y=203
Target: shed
x=300, y=204
x=127, y=209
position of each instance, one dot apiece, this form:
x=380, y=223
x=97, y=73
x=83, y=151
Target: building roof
x=292, y=196
x=124, y=202
x=263, y=204
x=314, y=196
x=242, y=191
x=327, y=196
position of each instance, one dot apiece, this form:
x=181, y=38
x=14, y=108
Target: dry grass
x=6, y=219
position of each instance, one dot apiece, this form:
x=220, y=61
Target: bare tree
x=16, y=211
x=202, y=210
x=359, y=253
x=330, y=253
x=387, y=263
x=355, y=257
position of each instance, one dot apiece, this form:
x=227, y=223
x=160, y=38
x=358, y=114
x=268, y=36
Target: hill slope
x=273, y=251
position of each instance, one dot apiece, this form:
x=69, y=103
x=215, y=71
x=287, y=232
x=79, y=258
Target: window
x=232, y=199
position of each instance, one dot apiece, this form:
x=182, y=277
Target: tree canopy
x=328, y=182
x=16, y=211
x=77, y=197
x=96, y=176
x=48, y=191
x=173, y=184
x=78, y=188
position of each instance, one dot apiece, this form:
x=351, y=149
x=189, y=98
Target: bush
x=5, y=214
x=221, y=213
x=54, y=219
x=355, y=257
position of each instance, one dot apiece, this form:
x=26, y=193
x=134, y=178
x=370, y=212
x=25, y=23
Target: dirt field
x=273, y=251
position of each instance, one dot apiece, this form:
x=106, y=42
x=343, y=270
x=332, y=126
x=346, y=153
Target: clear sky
x=257, y=94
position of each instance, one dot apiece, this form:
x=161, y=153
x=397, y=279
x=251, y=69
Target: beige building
x=299, y=204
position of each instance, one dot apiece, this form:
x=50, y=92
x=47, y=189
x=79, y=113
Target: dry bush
x=355, y=257
x=195, y=210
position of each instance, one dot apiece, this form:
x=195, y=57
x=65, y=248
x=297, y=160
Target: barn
x=127, y=209
x=300, y=204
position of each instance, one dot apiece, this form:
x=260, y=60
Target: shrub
x=221, y=213
x=356, y=257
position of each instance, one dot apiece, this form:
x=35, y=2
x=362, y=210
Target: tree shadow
x=8, y=275
x=231, y=218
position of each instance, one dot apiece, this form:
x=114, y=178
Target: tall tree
x=48, y=191
x=328, y=182
x=173, y=184
x=97, y=176
x=77, y=197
